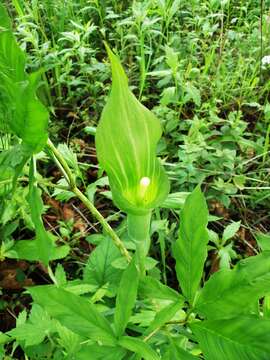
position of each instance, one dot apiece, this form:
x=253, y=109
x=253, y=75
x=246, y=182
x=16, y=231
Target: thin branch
x=65, y=169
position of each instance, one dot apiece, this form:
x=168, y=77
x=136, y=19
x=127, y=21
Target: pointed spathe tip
x=118, y=73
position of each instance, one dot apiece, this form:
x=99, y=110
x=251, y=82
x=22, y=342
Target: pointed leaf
x=126, y=141
x=152, y=288
x=230, y=230
x=43, y=238
x=74, y=312
x=190, y=249
x=126, y=298
x=234, y=339
x=165, y=315
x=232, y=292
x=138, y=347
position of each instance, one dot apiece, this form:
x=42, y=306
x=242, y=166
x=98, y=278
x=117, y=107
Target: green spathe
x=126, y=141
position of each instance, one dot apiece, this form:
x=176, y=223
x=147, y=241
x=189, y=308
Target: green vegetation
x=145, y=233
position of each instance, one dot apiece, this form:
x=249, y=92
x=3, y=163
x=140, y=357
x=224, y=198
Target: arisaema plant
x=126, y=141
x=223, y=319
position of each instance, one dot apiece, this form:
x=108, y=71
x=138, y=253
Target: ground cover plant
x=144, y=234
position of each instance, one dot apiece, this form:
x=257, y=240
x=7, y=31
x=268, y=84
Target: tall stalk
x=139, y=232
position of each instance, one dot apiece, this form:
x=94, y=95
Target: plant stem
x=139, y=232
x=62, y=164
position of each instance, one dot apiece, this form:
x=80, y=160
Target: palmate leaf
x=20, y=110
x=241, y=338
x=190, y=249
x=126, y=140
x=233, y=292
x=99, y=270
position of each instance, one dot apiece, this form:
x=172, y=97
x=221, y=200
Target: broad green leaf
x=138, y=347
x=126, y=298
x=20, y=109
x=190, y=249
x=30, y=250
x=126, y=140
x=232, y=292
x=165, y=315
x=234, y=339
x=74, y=312
x=99, y=270
x=96, y=352
x=12, y=58
x=152, y=288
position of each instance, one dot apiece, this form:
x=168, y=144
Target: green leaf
x=232, y=292
x=4, y=338
x=96, y=352
x=263, y=241
x=152, y=288
x=176, y=352
x=12, y=162
x=230, y=230
x=43, y=238
x=74, y=312
x=36, y=329
x=12, y=58
x=4, y=18
x=234, y=339
x=30, y=250
x=126, y=298
x=165, y=315
x=138, y=347
x=190, y=249
x=192, y=93
x=137, y=179
x=99, y=270
x=68, y=340
x=175, y=200
x=20, y=109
